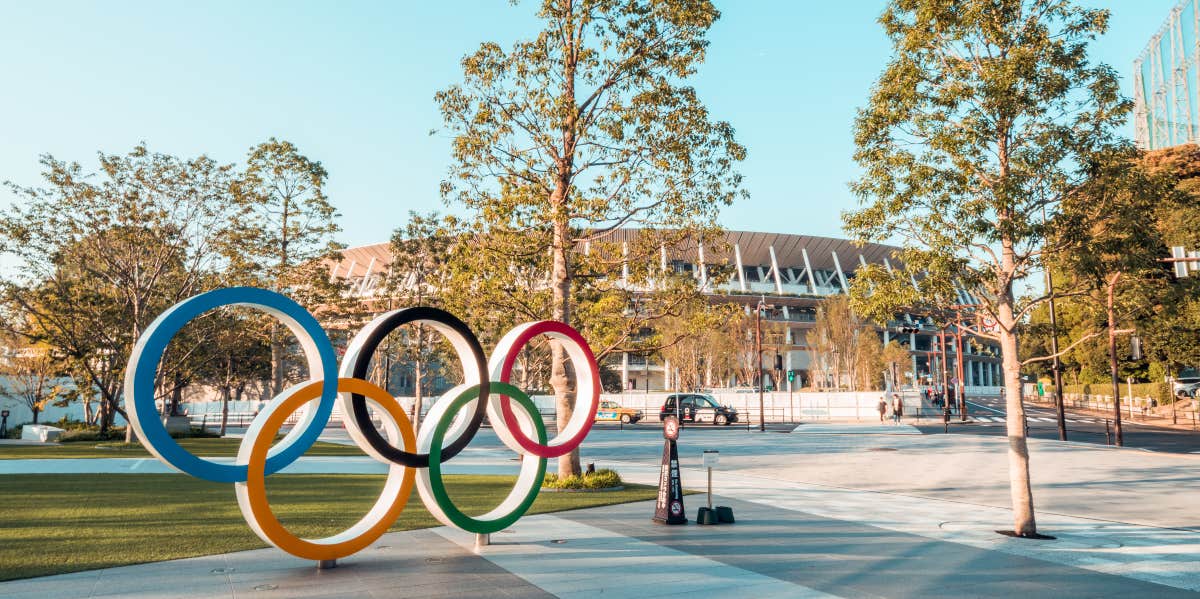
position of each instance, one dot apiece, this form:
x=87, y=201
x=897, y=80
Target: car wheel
x=625, y=419
x=720, y=420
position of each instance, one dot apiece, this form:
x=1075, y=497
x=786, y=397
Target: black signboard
x=668, y=509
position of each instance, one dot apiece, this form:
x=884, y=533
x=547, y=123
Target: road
x=990, y=418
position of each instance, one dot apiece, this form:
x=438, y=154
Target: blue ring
x=143, y=367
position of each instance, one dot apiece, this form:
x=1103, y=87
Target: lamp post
x=961, y=387
x=945, y=382
x=762, y=423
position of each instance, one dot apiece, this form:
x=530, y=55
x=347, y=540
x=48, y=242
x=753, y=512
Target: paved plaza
x=823, y=511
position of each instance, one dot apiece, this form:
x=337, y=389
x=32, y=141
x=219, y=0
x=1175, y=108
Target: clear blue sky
x=352, y=84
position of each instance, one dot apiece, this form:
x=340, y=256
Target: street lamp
x=758, y=310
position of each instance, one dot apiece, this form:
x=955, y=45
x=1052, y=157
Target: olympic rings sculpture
x=448, y=428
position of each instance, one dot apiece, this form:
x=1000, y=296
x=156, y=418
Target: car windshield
x=706, y=402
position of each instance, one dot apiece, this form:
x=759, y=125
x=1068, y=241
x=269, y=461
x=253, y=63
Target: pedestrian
x=897, y=408
x=882, y=407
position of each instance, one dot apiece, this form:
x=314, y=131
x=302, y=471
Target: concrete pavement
x=848, y=511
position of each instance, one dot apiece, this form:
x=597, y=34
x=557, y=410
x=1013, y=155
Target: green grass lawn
x=57, y=523
x=207, y=447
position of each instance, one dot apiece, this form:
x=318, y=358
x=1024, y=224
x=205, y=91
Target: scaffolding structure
x=1166, y=79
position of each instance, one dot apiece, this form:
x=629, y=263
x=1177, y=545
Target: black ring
x=359, y=403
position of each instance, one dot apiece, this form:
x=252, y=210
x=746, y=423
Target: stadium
x=792, y=274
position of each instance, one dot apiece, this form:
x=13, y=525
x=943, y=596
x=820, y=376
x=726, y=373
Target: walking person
x=897, y=408
x=882, y=407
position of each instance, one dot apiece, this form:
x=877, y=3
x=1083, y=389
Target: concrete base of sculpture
x=41, y=433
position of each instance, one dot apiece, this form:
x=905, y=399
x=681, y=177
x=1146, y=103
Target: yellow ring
x=252, y=494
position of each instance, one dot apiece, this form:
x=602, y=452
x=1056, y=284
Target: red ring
x=510, y=419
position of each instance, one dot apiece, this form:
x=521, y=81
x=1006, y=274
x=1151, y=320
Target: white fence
x=776, y=406
x=1134, y=405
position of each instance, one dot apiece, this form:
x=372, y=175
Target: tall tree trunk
x=1020, y=488
x=176, y=395
x=225, y=393
x=562, y=243
x=1112, y=357
x=276, y=362
x=418, y=373
x=568, y=464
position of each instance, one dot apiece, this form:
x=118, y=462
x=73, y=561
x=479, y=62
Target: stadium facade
x=793, y=274
x=1166, y=81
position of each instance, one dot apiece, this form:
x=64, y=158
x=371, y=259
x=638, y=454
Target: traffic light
x=908, y=330
x=778, y=362
x=1135, y=346
x=791, y=376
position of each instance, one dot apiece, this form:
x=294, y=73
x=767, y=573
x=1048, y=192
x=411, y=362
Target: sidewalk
x=844, y=511
x=617, y=552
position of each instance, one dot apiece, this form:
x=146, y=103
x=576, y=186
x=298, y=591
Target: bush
x=13, y=432
x=81, y=435
x=197, y=433
x=118, y=445
x=600, y=479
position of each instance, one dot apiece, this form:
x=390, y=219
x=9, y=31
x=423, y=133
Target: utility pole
x=1055, y=366
x=1112, y=364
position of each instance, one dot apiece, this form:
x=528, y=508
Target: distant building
x=793, y=273
x=1166, y=79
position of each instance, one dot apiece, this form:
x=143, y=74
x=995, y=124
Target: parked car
x=611, y=411
x=697, y=407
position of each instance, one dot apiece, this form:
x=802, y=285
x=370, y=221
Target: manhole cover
x=265, y=587
x=382, y=547
x=559, y=541
x=433, y=560
x=222, y=570
x=881, y=449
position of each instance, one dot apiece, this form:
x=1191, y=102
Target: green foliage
x=13, y=432
x=1122, y=223
x=845, y=348
x=561, y=140
x=981, y=121
x=600, y=479
x=103, y=253
x=986, y=118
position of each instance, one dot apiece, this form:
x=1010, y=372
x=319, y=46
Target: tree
x=588, y=127
x=419, y=277
x=1172, y=334
x=988, y=113
x=896, y=362
x=701, y=347
x=31, y=373
x=842, y=343
x=284, y=232
x=1110, y=244
x=104, y=254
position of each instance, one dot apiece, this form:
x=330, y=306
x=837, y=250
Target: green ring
x=436, y=484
